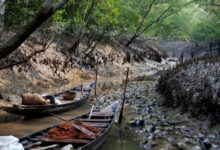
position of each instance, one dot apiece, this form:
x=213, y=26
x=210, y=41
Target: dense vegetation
x=193, y=86
x=198, y=20
x=96, y=20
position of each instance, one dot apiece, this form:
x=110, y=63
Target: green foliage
x=186, y=19
x=106, y=14
x=19, y=12
x=206, y=27
x=194, y=21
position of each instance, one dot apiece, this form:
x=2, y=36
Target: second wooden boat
x=42, y=110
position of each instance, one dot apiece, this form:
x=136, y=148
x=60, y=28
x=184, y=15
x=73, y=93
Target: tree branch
x=145, y=16
x=155, y=21
x=161, y=17
x=46, y=11
x=59, y=4
x=93, y=48
x=89, y=43
x=28, y=58
x=140, y=25
x=86, y=20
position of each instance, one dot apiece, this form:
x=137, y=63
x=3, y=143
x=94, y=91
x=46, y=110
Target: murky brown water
x=121, y=140
x=23, y=126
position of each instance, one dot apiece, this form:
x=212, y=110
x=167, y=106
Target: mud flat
x=160, y=127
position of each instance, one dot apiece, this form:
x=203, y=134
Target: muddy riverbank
x=194, y=86
x=147, y=124
x=159, y=127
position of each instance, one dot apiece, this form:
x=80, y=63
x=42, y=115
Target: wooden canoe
x=43, y=110
x=102, y=120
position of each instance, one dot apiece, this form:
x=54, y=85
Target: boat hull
x=44, y=110
x=103, y=120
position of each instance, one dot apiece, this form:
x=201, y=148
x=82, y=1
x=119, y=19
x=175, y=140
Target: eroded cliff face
x=58, y=67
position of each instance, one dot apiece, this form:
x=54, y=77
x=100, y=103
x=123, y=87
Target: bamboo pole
x=124, y=96
x=46, y=147
x=32, y=145
x=90, y=114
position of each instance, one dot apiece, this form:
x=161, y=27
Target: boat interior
x=59, y=99
x=102, y=120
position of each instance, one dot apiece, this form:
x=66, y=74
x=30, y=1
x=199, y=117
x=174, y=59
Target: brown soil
x=53, y=69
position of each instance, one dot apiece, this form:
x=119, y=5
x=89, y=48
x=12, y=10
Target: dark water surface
x=121, y=140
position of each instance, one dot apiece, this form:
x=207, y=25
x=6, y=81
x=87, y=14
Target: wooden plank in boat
x=102, y=114
x=95, y=120
x=94, y=124
x=72, y=141
x=101, y=129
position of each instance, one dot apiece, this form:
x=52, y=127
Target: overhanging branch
x=28, y=58
x=46, y=11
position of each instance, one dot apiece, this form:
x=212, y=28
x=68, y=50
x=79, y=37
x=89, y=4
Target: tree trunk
x=2, y=14
x=140, y=25
x=75, y=46
x=219, y=47
x=139, y=33
x=130, y=41
x=86, y=21
x=46, y=11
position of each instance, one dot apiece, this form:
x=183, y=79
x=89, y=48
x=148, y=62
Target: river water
x=20, y=126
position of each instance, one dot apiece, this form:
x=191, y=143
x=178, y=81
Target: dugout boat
x=62, y=103
x=101, y=120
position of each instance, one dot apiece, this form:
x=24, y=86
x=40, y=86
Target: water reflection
x=121, y=139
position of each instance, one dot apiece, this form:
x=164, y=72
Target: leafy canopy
x=187, y=19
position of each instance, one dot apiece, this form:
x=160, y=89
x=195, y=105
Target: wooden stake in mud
x=96, y=79
x=123, y=100
x=82, y=89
